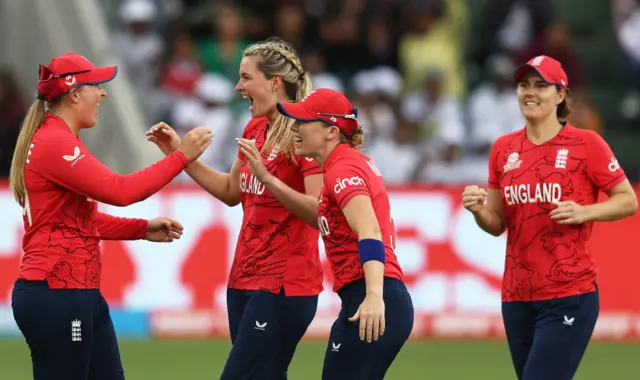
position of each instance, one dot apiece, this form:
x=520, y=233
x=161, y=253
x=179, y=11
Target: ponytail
x=31, y=123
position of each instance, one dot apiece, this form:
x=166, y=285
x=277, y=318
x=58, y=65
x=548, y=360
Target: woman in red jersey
x=276, y=275
x=354, y=217
x=56, y=300
x=544, y=182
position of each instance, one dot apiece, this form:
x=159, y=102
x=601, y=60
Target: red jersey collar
x=336, y=153
x=58, y=123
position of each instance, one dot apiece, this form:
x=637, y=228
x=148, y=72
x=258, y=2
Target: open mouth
x=250, y=101
x=531, y=104
x=297, y=139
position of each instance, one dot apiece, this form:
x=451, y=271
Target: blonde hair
x=31, y=123
x=279, y=58
x=356, y=140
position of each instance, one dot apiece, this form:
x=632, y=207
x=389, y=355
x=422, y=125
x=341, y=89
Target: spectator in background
x=341, y=37
x=222, y=53
x=437, y=116
x=374, y=91
x=141, y=49
x=626, y=15
x=397, y=158
x=381, y=43
x=257, y=17
x=183, y=69
x=584, y=114
x=320, y=77
x=290, y=25
x=138, y=45
x=494, y=111
x=12, y=111
x=509, y=26
x=209, y=108
x=436, y=40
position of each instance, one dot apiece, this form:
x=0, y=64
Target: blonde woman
x=276, y=275
x=56, y=300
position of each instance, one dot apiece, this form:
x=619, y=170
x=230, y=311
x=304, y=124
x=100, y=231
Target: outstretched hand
x=163, y=230
x=164, y=137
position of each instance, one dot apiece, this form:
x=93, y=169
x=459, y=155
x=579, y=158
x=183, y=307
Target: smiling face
x=86, y=100
x=538, y=100
x=311, y=138
x=255, y=86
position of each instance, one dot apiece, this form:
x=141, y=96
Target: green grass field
x=440, y=360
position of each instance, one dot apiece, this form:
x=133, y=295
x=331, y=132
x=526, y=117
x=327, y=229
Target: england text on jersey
x=546, y=259
x=275, y=248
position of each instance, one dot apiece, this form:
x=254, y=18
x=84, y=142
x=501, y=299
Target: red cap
x=549, y=69
x=329, y=106
x=69, y=71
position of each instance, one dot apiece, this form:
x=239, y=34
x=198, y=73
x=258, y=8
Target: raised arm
x=303, y=205
x=69, y=164
x=487, y=206
x=223, y=186
x=487, y=209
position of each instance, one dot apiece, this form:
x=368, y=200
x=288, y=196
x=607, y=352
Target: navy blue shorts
x=69, y=332
x=265, y=330
x=547, y=339
x=349, y=358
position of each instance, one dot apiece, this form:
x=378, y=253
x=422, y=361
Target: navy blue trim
x=287, y=114
x=371, y=249
x=87, y=83
x=283, y=111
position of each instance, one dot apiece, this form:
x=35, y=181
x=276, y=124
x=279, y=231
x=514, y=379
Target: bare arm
x=622, y=203
x=491, y=216
x=361, y=217
x=225, y=187
x=304, y=206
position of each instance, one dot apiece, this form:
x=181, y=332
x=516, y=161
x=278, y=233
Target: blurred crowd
x=433, y=93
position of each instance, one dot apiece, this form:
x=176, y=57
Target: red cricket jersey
x=62, y=226
x=545, y=259
x=348, y=173
x=275, y=248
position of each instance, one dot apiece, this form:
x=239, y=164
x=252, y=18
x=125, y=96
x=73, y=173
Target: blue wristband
x=371, y=249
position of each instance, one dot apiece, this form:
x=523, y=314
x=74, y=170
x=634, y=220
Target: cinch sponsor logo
x=538, y=193
x=343, y=183
x=250, y=184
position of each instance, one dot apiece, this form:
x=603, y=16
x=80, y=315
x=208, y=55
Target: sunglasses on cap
x=52, y=76
x=352, y=116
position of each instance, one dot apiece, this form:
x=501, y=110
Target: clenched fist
x=473, y=198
